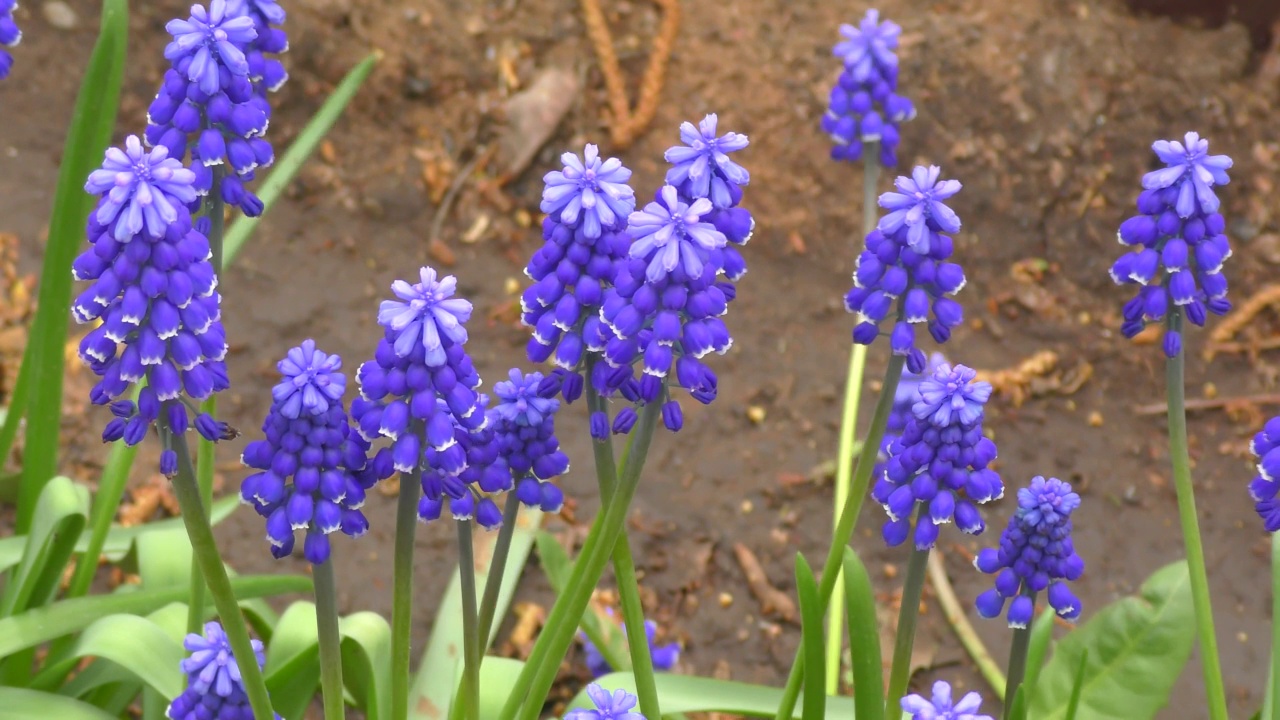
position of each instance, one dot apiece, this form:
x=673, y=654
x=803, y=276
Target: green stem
x=203, y=545
x=1017, y=662
x=539, y=672
x=844, y=528
x=624, y=571
x=498, y=566
x=908, y=613
x=849, y=422
x=402, y=585
x=1271, y=708
x=213, y=209
x=330, y=641
x=470, y=699
x=1181, y=457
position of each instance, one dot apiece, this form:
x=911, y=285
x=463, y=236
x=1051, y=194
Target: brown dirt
x=1044, y=109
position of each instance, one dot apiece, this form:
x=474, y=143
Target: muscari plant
x=626, y=303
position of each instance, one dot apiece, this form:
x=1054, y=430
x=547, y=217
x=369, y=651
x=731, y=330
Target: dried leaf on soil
x=533, y=115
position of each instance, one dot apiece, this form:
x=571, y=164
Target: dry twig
x=955, y=615
x=1225, y=403
x=626, y=124
x=1223, y=336
x=772, y=600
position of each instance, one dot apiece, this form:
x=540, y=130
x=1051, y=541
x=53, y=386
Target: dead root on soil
x=1225, y=338
x=1037, y=376
x=772, y=600
x=626, y=124
x=954, y=612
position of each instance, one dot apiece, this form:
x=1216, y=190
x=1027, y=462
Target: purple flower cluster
x=216, y=92
x=664, y=657
x=618, y=705
x=941, y=707
x=906, y=261
x=941, y=460
x=10, y=35
x=153, y=295
x=309, y=441
x=1179, y=242
x=214, y=686
x=864, y=106
x=1266, y=447
x=904, y=398
x=676, y=280
x=588, y=203
x=1035, y=553
x=421, y=379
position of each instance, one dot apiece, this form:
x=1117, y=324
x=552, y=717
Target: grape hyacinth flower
x=529, y=454
x=1264, y=487
x=214, y=94
x=153, y=296
x=617, y=705
x=1035, y=553
x=864, y=104
x=664, y=657
x=421, y=383
x=702, y=168
x=588, y=202
x=941, y=460
x=1179, y=242
x=267, y=74
x=10, y=35
x=904, y=398
x=906, y=260
x=941, y=707
x=309, y=441
x=214, y=687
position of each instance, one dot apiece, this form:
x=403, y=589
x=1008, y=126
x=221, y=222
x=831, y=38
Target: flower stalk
x=402, y=584
x=1017, y=671
x=470, y=699
x=326, y=591
x=908, y=614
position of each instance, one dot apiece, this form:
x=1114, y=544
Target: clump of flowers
x=941, y=460
x=906, y=263
x=267, y=73
x=1035, y=553
x=904, y=398
x=664, y=657
x=153, y=298
x=215, y=91
x=1178, y=240
x=941, y=707
x=677, y=279
x=1264, y=487
x=588, y=202
x=10, y=35
x=864, y=106
x=309, y=442
x=524, y=431
x=214, y=688
x=421, y=382
x=617, y=705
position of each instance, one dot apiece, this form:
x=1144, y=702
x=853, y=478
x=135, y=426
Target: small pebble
x=1095, y=419
x=890, y=570
x=1210, y=391
x=747, y=507
x=1242, y=637
x=755, y=414
x=725, y=599
x=60, y=15
x=511, y=286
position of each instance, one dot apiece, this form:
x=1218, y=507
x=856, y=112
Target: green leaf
x=1073, y=705
x=92, y=122
x=431, y=696
x=293, y=660
x=24, y=704
x=1136, y=649
x=115, y=475
x=119, y=540
x=1018, y=708
x=815, y=662
x=42, y=624
x=1041, y=638
x=137, y=645
x=56, y=524
x=366, y=662
x=288, y=166
x=686, y=694
x=599, y=628
x=864, y=639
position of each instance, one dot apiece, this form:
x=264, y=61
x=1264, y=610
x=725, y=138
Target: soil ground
x=1044, y=109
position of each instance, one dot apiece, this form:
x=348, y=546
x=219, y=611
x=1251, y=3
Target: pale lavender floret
x=704, y=161
x=675, y=229
x=1190, y=158
x=941, y=707
x=950, y=396
x=213, y=38
x=425, y=312
x=588, y=192
x=870, y=44
x=919, y=200
x=519, y=402
x=617, y=705
x=139, y=187
x=311, y=381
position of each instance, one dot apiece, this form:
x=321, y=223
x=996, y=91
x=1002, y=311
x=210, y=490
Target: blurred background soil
x=1044, y=109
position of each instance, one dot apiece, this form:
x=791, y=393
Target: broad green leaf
x=92, y=121
x=306, y=143
x=1041, y=639
x=864, y=639
x=42, y=624
x=815, y=662
x=24, y=704
x=366, y=662
x=1073, y=705
x=293, y=661
x=686, y=694
x=600, y=629
x=1136, y=646
x=432, y=693
x=56, y=524
x=106, y=502
x=1018, y=708
x=137, y=645
x=119, y=539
